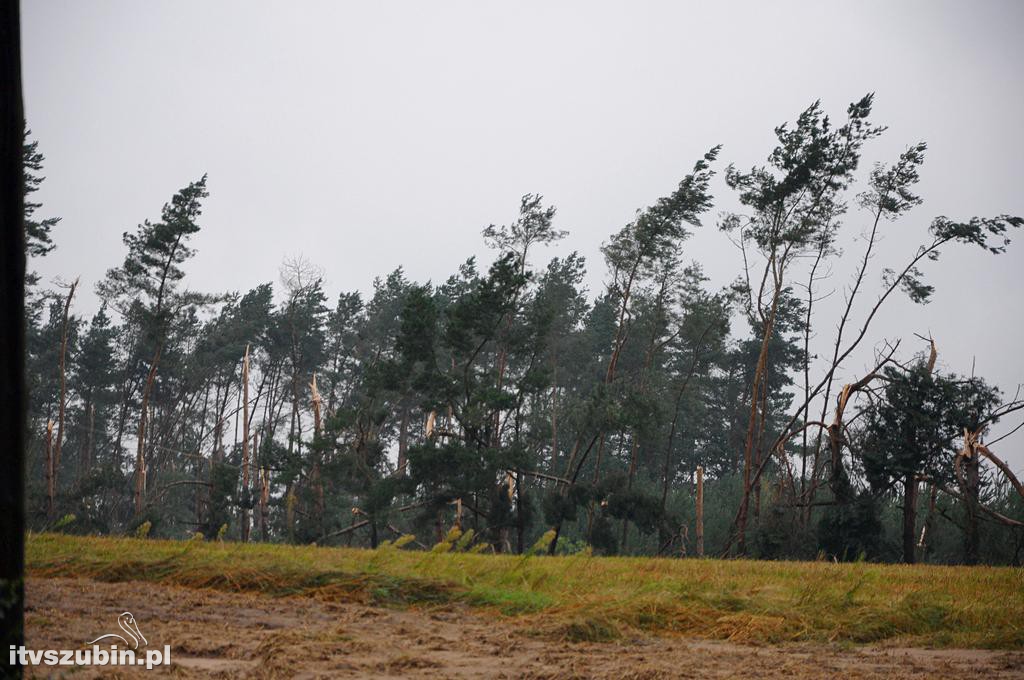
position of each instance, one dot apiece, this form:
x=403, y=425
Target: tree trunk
x=403, y=442
x=971, y=539
x=318, y=482
x=909, y=518
x=633, y=452
x=198, y=501
x=245, y=446
x=700, y=511
x=62, y=397
x=760, y=371
x=86, y=457
x=925, y=542
x=520, y=518
x=665, y=473
x=289, y=516
x=51, y=484
x=140, y=454
x=264, y=504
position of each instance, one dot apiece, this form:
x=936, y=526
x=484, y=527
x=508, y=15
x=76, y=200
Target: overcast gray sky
x=371, y=135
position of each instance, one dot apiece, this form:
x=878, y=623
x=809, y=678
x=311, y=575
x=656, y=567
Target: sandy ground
x=223, y=635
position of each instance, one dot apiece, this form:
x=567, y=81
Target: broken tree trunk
x=62, y=399
x=318, y=482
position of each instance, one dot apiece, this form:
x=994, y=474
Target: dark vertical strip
x=12, y=340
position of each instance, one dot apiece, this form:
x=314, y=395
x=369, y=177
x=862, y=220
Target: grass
x=591, y=598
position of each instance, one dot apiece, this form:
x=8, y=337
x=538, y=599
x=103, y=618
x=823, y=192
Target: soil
x=214, y=634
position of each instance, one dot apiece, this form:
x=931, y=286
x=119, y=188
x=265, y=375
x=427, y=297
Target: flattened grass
x=592, y=598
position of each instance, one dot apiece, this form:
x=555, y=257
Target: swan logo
x=124, y=650
x=132, y=635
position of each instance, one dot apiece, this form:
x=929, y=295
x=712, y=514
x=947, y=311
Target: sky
x=367, y=136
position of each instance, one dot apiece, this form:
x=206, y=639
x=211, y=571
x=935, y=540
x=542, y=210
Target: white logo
x=127, y=623
x=94, y=655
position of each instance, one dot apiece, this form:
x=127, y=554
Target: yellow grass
x=592, y=598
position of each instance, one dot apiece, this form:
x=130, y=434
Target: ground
x=240, y=635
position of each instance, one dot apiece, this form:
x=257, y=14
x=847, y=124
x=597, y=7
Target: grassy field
x=591, y=598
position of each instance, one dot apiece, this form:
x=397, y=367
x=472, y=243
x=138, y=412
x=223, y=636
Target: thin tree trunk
x=925, y=541
x=909, y=518
x=198, y=501
x=85, y=464
x=971, y=539
x=633, y=452
x=245, y=446
x=520, y=518
x=50, y=480
x=264, y=503
x=403, y=441
x=318, y=482
x=62, y=399
x=700, y=511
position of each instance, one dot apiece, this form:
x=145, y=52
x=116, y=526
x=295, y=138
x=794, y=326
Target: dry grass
x=592, y=598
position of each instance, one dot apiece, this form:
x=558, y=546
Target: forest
x=655, y=416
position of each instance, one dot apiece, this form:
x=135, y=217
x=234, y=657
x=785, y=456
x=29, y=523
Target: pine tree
x=145, y=287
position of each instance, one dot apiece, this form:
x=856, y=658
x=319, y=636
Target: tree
x=93, y=382
x=146, y=286
x=62, y=395
x=640, y=250
x=915, y=429
x=796, y=204
x=794, y=200
x=38, y=236
x=506, y=399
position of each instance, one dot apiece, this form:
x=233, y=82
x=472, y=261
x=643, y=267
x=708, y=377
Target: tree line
x=511, y=401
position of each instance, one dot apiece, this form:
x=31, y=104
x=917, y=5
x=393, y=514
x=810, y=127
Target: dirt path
x=216, y=634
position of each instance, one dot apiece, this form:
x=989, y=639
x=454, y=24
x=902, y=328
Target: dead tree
x=967, y=466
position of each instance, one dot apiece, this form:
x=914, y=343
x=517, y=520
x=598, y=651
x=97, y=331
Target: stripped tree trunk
x=62, y=398
x=318, y=482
